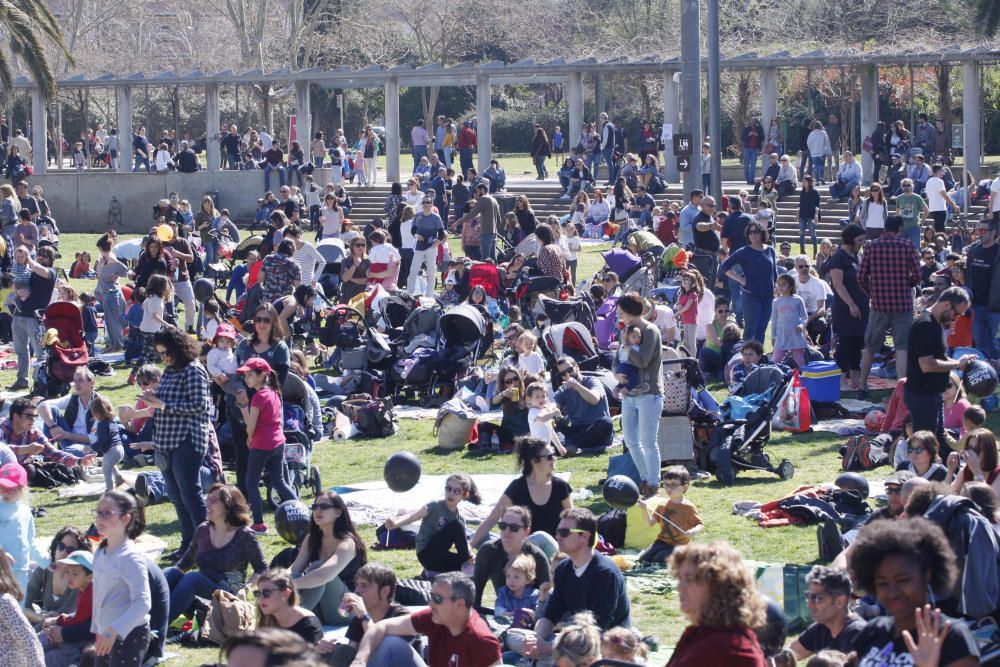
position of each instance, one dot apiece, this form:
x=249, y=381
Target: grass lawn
x=814, y=456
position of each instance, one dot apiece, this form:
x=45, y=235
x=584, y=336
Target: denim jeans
x=395, y=652
x=750, y=164
x=736, y=297
x=418, y=152
x=465, y=160
x=27, y=343
x=318, y=162
x=608, y=156
x=640, y=423
x=539, y=166
x=181, y=470
x=807, y=224
x=114, y=318
x=984, y=330
x=268, y=168
x=841, y=190
x=272, y=460
x=595, y=436
x=184, y=587
x=817, y=166
x=140, y=161
x=295, y=175
x=158, y=488
x=234, y=160
x=756, y=315
x=593, y=159
x=488, y=246
x=709, y=361
x=914, y=236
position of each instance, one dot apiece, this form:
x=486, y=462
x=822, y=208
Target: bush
x=512, y=129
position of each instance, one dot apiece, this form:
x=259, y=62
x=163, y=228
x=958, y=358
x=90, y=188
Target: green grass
x=814, y=456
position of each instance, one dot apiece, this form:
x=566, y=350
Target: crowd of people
x=558, y=597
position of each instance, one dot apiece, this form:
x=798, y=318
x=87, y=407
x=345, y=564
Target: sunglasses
x=437, y=598
x=814, y=598
x=107, y=514
x=539, y=459
x=565, y=532
x=457, y=490
x=510, y=380
x=66, y=548
x=29, y=415
x=322, y=506
x=565, y=372
x=893, y=490
x=512, y=527
x=266, y=593
x=262, y=319
x=915, y=450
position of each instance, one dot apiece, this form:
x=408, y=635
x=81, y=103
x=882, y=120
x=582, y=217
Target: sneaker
x=142, y=488
x=850, y=452
x=830, y=541
x=863, y=453
x=259, y=528
x=18, y=386
x=131, y=378
x=564, y=196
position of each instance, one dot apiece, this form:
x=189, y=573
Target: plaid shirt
x=890, y=269
x=19, y=445
x=280, y=275
x=184, y=419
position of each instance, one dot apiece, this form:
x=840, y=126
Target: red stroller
x=63, y=352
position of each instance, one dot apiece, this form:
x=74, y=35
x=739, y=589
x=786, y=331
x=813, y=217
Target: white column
x=671, y=116
x=39, y=149
x=768, y=106
x=971, y=118
x=392, y=137
x=303, y=117
x=58, y=137
x=869, y=115
x=124, y=94
x=212, y=125
x=574, y=100
x=484, y=131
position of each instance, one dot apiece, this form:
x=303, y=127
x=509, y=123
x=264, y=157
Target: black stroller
x=738, y=444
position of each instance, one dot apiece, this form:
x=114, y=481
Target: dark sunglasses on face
x=457, y=490
x=266, y=593
x=322, y=506
x=262, y=319
x=512, y=527
x=893, y=490
x=437, y=598
x=915, y=450
x=66, y=548
x=565, y=532
x=548, y=457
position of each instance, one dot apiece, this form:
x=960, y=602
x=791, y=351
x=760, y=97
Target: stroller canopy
x=760, y=380
x=332, y=250
x=577, y=309
x=571, y=338
x=528, y=246
x=462, y=325
x=620, y=261
x=246, y=245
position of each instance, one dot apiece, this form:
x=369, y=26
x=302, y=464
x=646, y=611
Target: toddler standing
x=541, y=416
x=687, y=311
x=109, y=441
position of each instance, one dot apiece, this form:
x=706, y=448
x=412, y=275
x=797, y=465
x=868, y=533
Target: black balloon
x=203, y=289
x=291, y=520
x=402, y=471
x=621, y=492
x=774, y=633
x=980, y=378
x=852, y=481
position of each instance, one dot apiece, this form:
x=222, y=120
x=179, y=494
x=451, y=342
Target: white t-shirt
x=530, y=363
x=665, y=320
x=995, y=190
x=383, y=253
x=152, y=304
x=876, y=216
x=812, y=292
x=706, y=313
x=935, y=202
x=221, y=362
x=543, y=430
x=331, y=219
x=407, y=241
x=413, y=198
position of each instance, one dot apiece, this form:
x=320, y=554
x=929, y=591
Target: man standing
x=467, y=142
x=835, y=627
x=938, y=199
x=306, y=256
x=923, y=135
x=607, y=147
x=980, y=270
x=890, y=269
x=928, y=364
x=706, y=241
x=752, y=135
x=181, y=248
x=912, y=210
x=140, y=147
x=920, y=173
x=734, y=237
x=266, y=142
x=439, y=133
x=685, y=228
x=584, y=405
x=419, y=139
x=585, y=581
x=456, y=635
x=25, y=324
x=488, y=210
x=230, y=145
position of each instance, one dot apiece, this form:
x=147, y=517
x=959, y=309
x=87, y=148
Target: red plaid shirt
x=890, y=269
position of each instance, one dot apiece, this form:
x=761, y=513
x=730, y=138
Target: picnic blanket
x=844, y=427
x=371, y=503
x=90, y=489
x=417, y=412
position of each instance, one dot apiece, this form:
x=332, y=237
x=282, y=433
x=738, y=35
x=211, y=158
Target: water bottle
x=495, y=443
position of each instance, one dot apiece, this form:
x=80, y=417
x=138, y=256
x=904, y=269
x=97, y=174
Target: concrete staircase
x=545, y=201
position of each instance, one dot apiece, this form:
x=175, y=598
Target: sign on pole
x=957, y=136
x=293, y=134
x=682, y=145
x=683, y=164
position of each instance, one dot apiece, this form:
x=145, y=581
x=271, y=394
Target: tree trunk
x=741, y=116
x=429, y=99
x=942, y=73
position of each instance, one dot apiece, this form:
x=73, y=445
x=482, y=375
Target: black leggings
x=241, y=453
x=127, y=651
x=437, y=555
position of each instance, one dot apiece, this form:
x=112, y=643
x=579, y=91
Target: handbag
x=794, y=412
x=229, y=614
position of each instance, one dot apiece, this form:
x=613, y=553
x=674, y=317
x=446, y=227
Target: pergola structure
x=486, y=75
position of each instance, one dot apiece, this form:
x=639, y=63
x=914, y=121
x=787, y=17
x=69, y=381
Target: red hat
x=225, y=330
x=13, y=476
x=255, y=364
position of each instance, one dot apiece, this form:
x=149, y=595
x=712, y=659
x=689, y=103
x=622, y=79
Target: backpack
x=397, y=538
x=374, y=418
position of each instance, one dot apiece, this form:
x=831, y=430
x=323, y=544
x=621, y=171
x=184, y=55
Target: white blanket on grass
x=371, y=503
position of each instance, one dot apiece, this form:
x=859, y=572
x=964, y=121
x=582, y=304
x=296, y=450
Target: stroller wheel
x=317, y=485
x=786, y=470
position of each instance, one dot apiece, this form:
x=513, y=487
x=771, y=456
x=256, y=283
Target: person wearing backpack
x=607, y=144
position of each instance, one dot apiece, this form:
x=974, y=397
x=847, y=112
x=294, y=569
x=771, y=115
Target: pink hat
x=255, y=364
x=13, y=476
x=225, y=330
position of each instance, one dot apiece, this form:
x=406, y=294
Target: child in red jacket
x=65, y=637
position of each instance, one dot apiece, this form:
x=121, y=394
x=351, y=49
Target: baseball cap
x=899, y=477
x=84, y=559
x=896, y=155
x=255, y=364
x=13, y=476
x=225, y=331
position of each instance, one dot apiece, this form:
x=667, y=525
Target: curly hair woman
x=905, y=564
x=717, y=594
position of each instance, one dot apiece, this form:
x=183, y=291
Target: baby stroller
x=572, y=339
x=529, y=247
x=490, y=277
x=461, y=332
x=737, y=444
x=333, y=252
x=606, y=322
x=574, y=309
x=635, y=274
x=63, y=350
x=528, y=292
x=299, y=469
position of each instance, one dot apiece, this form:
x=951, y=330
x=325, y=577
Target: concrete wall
x=82, y=202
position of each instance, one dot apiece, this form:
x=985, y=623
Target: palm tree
x=987, y=16
x=26, y=23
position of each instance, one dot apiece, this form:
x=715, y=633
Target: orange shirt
x=684, y=514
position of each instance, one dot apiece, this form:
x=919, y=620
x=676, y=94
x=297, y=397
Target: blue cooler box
x=822, y=380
